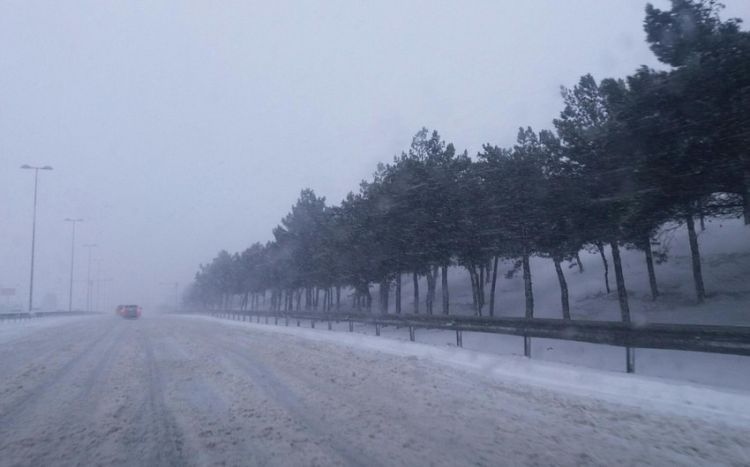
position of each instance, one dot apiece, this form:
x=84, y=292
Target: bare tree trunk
x=580, y=263
x=650, y=266
x=338, y=298
x=746, y=191
x=492, y=288
x=528, y=291
x=695, y=256
x=398, y=293
x=415, y=278
x=622, y=293
x=431, y=289
x=384, y=293
x=474, y=296
x=600, y=247
x=444, y=287
x=480, y=290
x=563, y=288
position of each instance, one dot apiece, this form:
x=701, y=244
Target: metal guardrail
x=732, y=340
x=20, y=315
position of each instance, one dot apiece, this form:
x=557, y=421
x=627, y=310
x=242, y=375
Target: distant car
x=129, y=311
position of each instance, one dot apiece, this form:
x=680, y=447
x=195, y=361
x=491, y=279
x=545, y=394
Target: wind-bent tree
x=593, y=146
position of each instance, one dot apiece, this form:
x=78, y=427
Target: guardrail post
x=298, y=323
x=459, y=338
x=630, y=359
x=276, y=320
x=257, y=319
x=377, y=329
x=266, y=319
x=312, y=323
x=330, y=325
x=351, y=326
x=411, y=333
x=527, y=346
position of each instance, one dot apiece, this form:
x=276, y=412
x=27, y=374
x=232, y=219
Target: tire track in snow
x=303, y=414
x=49, y=381
x=164, y=437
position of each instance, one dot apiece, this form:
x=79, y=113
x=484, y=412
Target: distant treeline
x=624, y=158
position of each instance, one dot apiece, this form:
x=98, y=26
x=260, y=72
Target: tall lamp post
x=72, y=260
x=90, y=246
x=33, y=228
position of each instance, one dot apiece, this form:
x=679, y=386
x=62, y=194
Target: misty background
x=176, y=129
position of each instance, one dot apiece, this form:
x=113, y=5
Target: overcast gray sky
x=180, y=128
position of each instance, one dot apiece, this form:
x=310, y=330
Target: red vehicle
x=129, y=311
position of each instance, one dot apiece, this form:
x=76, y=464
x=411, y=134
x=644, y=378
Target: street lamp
x=33, y=228
x=72, y=260
x=90, y=246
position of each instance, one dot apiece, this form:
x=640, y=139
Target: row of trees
x=624, y=158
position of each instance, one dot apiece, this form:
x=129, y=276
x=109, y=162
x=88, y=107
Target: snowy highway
x=174, y=390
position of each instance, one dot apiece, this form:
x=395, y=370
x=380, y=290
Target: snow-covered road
x=178, y=390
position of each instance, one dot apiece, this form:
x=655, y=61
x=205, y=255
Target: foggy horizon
x=177, y=130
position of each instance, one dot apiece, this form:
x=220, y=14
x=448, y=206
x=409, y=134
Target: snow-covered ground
x=180, y=390
x=16, y=329
x=656, y=394
x=725, y=250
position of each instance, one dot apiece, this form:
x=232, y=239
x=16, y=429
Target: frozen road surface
x=177, y=390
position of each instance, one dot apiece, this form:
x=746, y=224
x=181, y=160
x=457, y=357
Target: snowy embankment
x=17, y=329
x=647, y=393
x=725, y=252
x=725, y=260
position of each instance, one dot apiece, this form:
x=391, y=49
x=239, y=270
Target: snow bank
x=648, y=393
x=725, y=254
x=16, y=329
